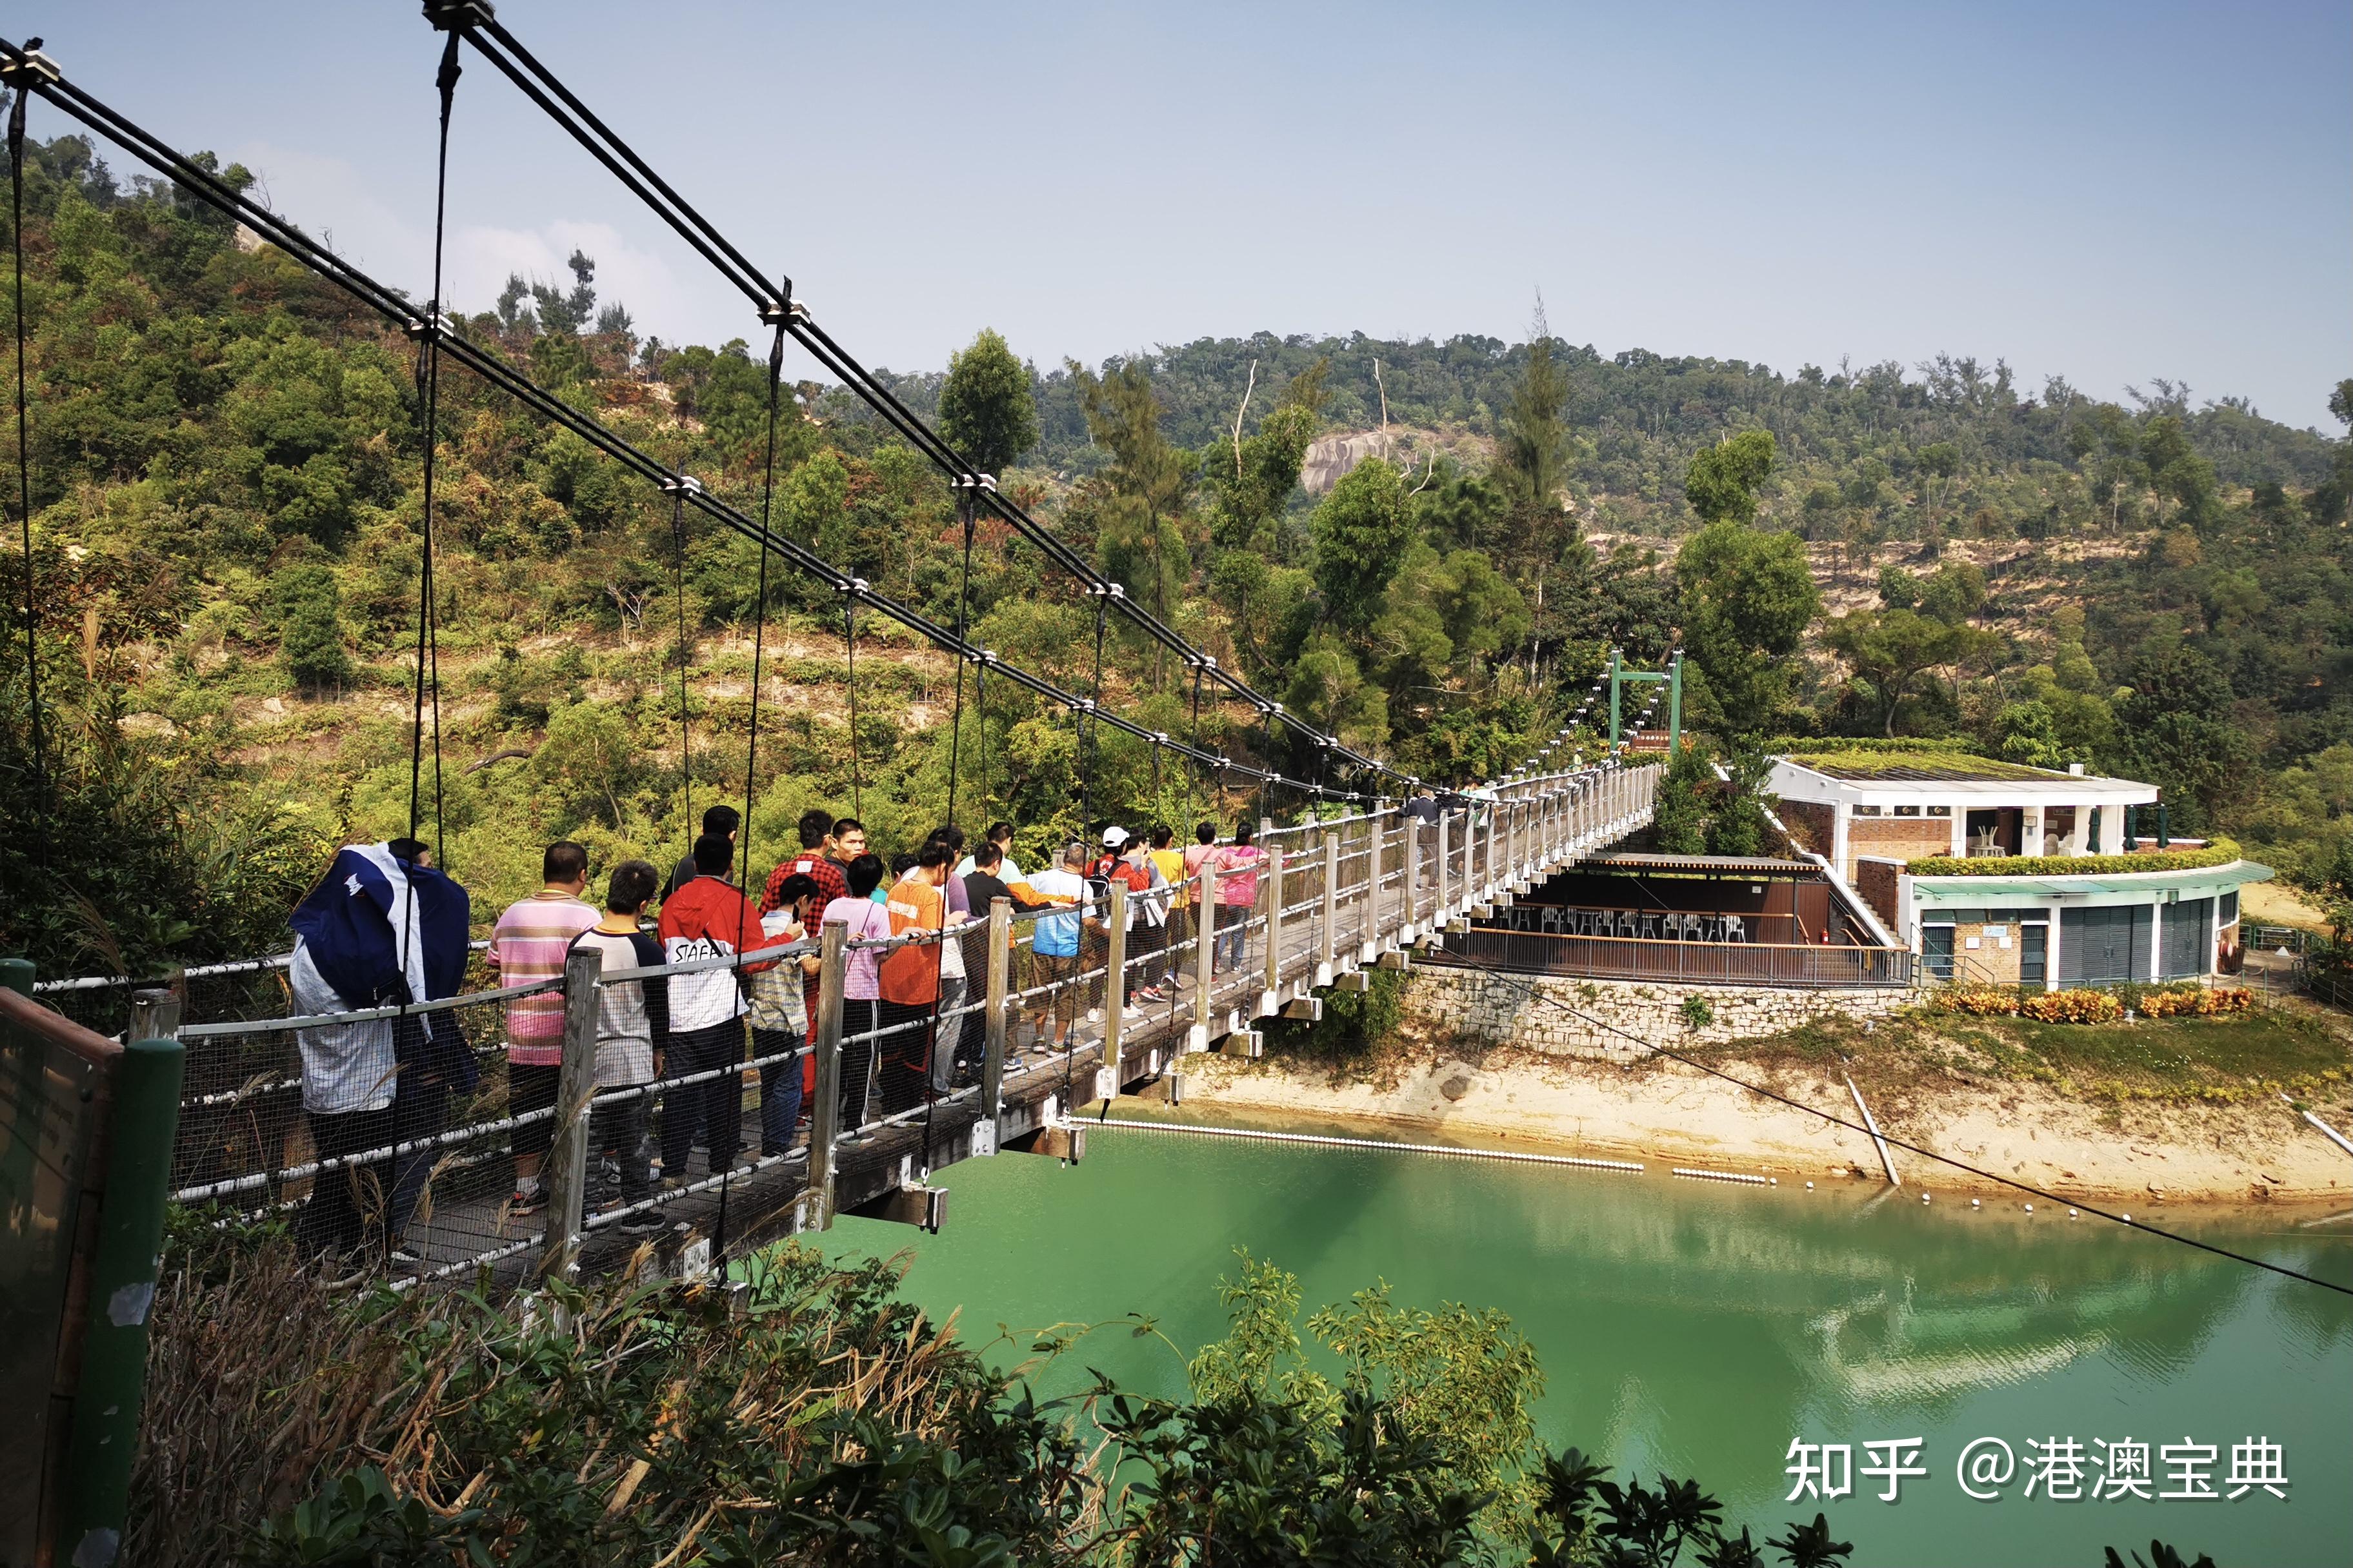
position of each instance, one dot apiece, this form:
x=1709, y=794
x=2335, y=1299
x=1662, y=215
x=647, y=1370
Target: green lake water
x=1699, y=1328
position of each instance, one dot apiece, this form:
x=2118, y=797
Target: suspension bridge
x=1356, y=882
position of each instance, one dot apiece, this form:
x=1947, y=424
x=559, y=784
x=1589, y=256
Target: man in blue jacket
x=382, y=928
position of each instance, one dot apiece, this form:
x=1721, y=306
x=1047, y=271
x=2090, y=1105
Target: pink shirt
x=861, y=979
x=528, y=943
x=1237, y=886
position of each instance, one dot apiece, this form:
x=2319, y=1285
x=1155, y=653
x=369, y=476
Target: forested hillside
x=226, y=463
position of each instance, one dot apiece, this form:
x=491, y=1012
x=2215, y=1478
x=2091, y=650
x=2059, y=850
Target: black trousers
x=347, y=1203
x=420, y=1110
x=860, y=1015
x=714, y=1108
x=906, y=1054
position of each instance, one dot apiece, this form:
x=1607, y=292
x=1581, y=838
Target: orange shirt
x=911, y=974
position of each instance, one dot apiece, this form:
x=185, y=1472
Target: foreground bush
x=832, y=1423
x=616, y=1426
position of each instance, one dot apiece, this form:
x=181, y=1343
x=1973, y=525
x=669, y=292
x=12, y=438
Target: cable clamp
x=432, y=324
x=774, y=313
x=1117, y=591
x=1082, y=705
x=682, y=484
x=853, y=586
x=32, y=70
x=459, y=15
x=1159, y=737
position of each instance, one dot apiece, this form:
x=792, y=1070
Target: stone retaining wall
x=1500, y=1009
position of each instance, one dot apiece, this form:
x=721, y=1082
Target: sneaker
x=527, y=1200
x=645, y=1222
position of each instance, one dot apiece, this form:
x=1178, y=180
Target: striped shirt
x=528, y=943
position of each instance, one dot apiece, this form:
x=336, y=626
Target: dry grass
x=621, y=1424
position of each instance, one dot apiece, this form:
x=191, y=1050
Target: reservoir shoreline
x=2251, y=1154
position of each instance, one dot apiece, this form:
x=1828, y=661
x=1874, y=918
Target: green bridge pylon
x=1621, y=677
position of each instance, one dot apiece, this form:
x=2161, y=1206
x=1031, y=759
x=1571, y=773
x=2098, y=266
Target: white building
x=1955, y=854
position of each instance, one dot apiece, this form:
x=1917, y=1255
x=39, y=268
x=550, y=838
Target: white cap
x=1114, y=835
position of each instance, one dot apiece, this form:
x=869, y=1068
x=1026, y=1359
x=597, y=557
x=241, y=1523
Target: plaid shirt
x=818, y=867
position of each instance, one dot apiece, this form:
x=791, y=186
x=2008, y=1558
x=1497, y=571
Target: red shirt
x=709, y=918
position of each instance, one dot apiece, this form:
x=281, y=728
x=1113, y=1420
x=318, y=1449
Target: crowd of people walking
x=709, y=985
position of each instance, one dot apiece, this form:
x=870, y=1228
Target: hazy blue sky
x=2112, y=192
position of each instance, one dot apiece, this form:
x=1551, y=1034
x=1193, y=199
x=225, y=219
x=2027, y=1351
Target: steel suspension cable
x=750, y=776
x=850, y=641
x=397, y=308
x=428, y=651
x=19, y=78
x=1087, y=746
x=940, y=948
x=685, y=658
x=548, y=92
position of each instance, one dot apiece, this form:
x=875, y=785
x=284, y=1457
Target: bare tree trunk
x=1238, y=417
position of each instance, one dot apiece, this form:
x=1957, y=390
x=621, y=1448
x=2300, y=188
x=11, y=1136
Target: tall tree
x=1889, y=650
x=1139, y=500
x=987, y=409
x=1747, y=597
x=1536, y=438
x=1361, y=533
x=1721, y=482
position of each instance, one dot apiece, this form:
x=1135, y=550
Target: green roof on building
x=1921, y=767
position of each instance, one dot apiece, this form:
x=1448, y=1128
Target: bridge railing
x=329, y=1121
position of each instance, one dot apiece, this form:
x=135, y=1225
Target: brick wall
x=1501, y=1009
x=1899, y=837
x=1812, y=823
x=1874, y=882
x=1989, y=961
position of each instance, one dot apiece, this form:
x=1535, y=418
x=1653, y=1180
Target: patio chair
x=1648, y=928
x=1734, y=930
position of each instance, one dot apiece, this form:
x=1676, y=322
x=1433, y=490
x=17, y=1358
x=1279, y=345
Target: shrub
x=1697, y=1013
x=309, y=611
x=2220, y=852
x=2196, y=1002
x=1977, y=1001
x=2071, y=1007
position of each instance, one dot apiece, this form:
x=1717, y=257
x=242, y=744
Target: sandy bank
x=1670, y=1114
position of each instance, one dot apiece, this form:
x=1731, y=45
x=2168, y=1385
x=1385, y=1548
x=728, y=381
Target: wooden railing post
x=1270, y=888
x=996, y=1014
x=825, y=1115
x=566, y=1168
x=1438, y=890
x=1327, y=945
x=1115, y=974
x=1204, y=944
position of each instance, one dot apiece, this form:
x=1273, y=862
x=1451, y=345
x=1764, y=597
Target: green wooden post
x=1675, y=704
x=123, y=1266
x=1613, y=699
